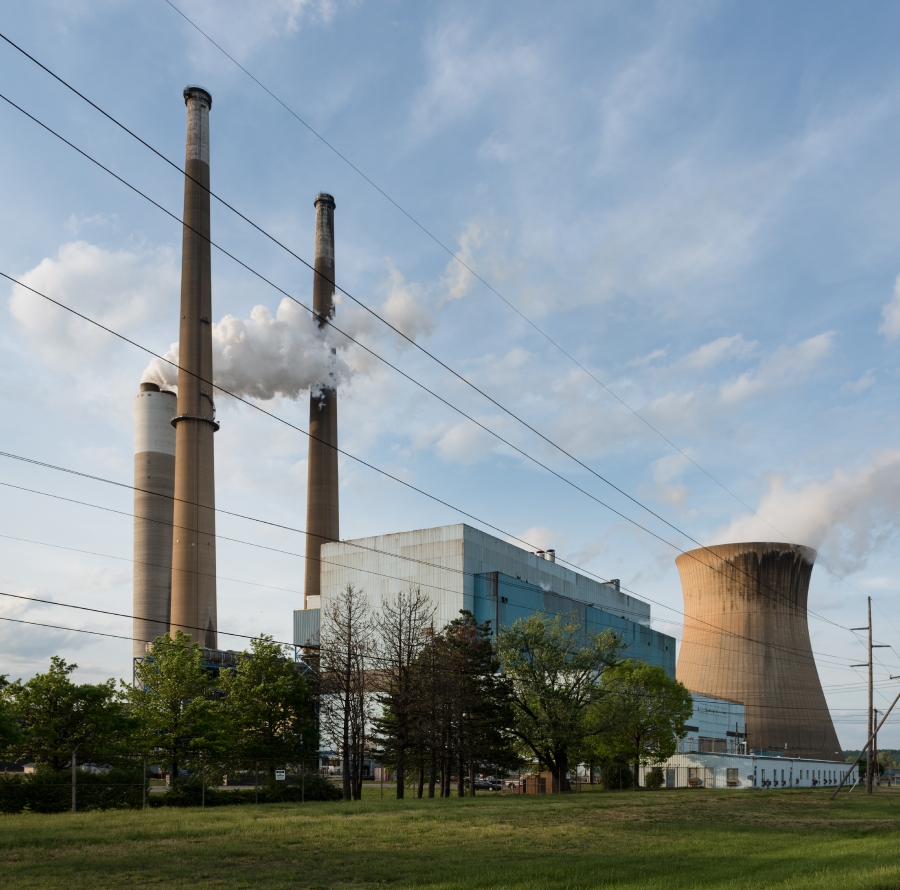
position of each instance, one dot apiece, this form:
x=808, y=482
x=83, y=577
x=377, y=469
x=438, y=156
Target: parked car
x=483, y=785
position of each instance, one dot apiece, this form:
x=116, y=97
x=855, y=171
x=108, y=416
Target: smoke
x=847, y=516
x=264, y=356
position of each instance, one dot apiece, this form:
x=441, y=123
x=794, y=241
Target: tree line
x=387, y=685
x=434, y=704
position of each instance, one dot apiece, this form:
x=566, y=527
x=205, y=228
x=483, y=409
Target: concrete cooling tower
x=746, y=638
x=154, y=488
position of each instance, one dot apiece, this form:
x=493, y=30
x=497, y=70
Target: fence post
x=203, y=783
x=74, y=784
x=144, y=786
x=255, y=781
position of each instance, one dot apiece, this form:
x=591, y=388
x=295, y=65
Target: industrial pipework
x=154, y=489
x=322, y=519
x=194, y=531
x=746, y=639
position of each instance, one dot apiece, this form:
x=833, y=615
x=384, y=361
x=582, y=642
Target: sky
x=682, y=217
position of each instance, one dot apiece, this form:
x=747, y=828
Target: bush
x=616, y=777
x=654, y=778
x=190, y=794
x=49, y=791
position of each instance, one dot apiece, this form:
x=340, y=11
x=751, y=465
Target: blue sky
x=696, y=200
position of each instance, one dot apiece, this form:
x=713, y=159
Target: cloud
x=848, y=516
x=711, y=354
x=890, y=313
x=406, y=307
x=120, y=289
x=252, y=23
x=463, y=72
x=788, y=364
x=855, y=387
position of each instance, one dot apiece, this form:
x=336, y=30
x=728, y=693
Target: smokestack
x=746, y=639
x=154, y=488
x=194, y=531
x=322, y=523
x=551, y=556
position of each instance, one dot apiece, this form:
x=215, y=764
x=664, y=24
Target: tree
x=9, y=728
x=268, y=708
x=643, y=714
x=554, y=669
x=177, y=718
x=56, y=717
x=468, y=710
x=345, y=653
x=401, y=629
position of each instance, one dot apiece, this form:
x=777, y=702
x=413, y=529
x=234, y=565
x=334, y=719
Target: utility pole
x=871, y=722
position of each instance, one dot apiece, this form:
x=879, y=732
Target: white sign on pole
x=279, y=775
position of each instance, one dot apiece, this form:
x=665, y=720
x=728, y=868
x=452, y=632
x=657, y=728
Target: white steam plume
x=847, y=516
x=265, y=356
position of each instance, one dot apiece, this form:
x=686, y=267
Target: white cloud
x=855, y=387
x=848, y=515
x=711, y=354
x=787, y=365
x=890, y=312
x=406, y=307
x=120, y=289
x=462, y=73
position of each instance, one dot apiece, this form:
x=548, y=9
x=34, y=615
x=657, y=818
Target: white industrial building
x=706, y=770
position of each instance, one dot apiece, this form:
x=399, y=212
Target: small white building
x=717, y=726
x=722, y=770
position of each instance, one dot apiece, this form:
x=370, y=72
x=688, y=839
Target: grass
x=664, y=839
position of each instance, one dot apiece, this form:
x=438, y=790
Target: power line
x=306, y=433
x=458, y=259
x=388, y=324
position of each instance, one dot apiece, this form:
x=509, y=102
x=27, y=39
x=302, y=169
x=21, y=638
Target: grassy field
x=664, y=839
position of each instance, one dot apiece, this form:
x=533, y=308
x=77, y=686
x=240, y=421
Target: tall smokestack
x=154, y=488
x=322, y=523
x=194, y=531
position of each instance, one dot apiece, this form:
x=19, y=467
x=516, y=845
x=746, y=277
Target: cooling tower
x=194, y=531
x=746, y=638
x=154, y=488
x=322, y=524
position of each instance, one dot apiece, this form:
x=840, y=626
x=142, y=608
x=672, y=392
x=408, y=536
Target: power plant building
x=460, y=567
x=746, y=639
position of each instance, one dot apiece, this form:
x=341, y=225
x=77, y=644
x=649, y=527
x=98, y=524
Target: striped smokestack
x=194, y=532
x=154, y=487
x=322, y=489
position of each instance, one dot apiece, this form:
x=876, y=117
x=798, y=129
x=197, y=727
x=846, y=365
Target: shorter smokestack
x=154, y=490
x=539, y=554
x=551, y=556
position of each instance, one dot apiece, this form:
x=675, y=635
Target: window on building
x=731, y=776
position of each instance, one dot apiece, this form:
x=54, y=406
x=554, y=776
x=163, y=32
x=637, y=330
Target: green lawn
x=663, y=839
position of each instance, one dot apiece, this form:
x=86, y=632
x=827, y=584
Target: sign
x=279, y=775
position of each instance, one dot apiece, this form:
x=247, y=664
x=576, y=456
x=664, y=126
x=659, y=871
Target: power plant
x=746, y=639
x=322, y=514
x=745, y=655
x=194, y=531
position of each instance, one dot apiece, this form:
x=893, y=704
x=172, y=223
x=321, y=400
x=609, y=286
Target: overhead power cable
x=725, y=631
x=418, y=383
x=458, y=259
x=384, y=321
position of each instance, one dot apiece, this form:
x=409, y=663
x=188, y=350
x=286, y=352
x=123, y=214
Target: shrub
x=190, y=794
x=654, y=778
x=50, y=791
